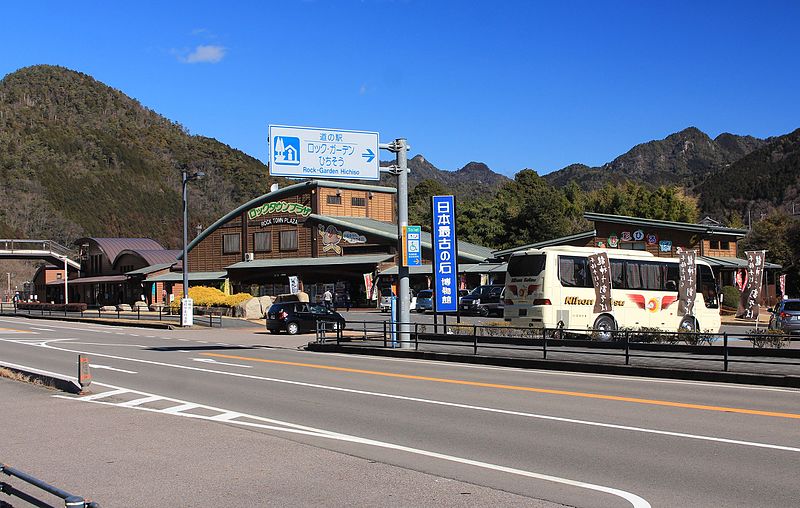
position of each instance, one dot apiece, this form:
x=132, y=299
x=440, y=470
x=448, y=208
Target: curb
x=596, y=368
x=58, y=381
x=102, y=321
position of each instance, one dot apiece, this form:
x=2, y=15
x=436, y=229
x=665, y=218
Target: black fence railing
x=70, y=500
x=163, y=313
x=723, y=349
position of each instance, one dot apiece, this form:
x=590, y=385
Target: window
x=526, y=265
x=573, y=272
x=334, y=200
x=632, y=245
x=289, y=240
x=358, y=201
x=707, y=286
x=714, y=244
x=262, y=242
x=724, y=245
x=231, y=244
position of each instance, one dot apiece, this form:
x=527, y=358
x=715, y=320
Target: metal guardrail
x=70, y=500
x=630, y=344
x=213, y=319
x=35, y=245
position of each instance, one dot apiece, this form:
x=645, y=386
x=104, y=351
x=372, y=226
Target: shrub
x=730, y=297
x=70, y=307
x=706, y=337
x=212, y=297
x=768, y=338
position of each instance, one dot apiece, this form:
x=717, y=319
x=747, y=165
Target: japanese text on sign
x=755, y=273
x=687, y=284
x=444, y=254
x=600, y=270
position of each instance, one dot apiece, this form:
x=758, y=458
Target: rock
x=108, y=308
x=266, y=303
x=156, y=306
x=142, y=305
x=124, y=307
x=250, y=309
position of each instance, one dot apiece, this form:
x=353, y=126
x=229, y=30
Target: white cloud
x=205, y=54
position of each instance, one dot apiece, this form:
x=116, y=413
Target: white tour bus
x=550, y=286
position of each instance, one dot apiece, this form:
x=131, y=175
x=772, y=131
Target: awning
x=193, y=276
x=462, y=268
x=733, y=263
x=150, y=269
x=363, y=259
x=100, y=279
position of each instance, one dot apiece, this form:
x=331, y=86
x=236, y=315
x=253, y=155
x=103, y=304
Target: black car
x=483, y=300
x=296, y=317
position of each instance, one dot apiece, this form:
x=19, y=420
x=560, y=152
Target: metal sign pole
x=404, y=298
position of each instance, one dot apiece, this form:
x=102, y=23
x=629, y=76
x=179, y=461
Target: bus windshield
x=526, y=266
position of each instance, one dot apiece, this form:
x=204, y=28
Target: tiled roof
x=113, y=246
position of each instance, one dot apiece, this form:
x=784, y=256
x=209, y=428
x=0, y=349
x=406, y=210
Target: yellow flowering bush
x=212, y=297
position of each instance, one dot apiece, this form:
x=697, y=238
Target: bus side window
x=707, y=286
x=573, y=272
x=672, y=277
x=617, y=274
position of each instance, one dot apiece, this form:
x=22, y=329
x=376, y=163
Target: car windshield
x=425, y=294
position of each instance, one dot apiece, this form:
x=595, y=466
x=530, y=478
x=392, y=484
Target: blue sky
x=516, y=84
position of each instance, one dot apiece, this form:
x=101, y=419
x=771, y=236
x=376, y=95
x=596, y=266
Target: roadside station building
x=331, y=235
x=715, y=244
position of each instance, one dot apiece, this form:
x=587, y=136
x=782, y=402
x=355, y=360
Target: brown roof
x=113, y=246
x=152, y=257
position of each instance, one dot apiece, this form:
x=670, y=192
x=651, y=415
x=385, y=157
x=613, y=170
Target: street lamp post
x=186, y=302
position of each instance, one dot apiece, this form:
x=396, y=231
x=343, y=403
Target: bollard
x=84, y=373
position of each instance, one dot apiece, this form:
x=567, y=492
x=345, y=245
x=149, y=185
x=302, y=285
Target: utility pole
x=400, y=147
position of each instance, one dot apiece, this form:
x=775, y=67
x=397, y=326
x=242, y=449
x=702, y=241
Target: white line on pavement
x=106, y=367
x=450, y=404
x=280, y=426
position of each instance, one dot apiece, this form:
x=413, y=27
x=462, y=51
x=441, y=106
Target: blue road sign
x=412, y=245
x=445, y=256
x=306, y=152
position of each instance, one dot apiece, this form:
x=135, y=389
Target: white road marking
x=42, y=329
x=106, y=367
x=292, y=428
x=450, y=404
x=215, y=362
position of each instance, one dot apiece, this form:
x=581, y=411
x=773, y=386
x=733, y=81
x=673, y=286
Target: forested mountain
x=767, y=178
x=475, y=180
x=684, y=158
x=80, y=158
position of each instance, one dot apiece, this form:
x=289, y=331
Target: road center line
x=435, y=402
x=653, y=402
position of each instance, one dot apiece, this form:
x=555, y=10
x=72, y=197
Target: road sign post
x=307, y=152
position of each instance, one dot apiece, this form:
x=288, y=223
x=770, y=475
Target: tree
x=419, y=202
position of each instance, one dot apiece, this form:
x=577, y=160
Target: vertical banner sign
x=294, y=284
x=755, y=274
x=600, y=268
x=687, y=286
x=368, y=285
x=412, y=245
x=445, y=262
x=783, y=285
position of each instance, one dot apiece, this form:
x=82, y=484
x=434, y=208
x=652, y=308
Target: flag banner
x=687, y=285
x=600, y=268
x=783, y=285
x=748, y=305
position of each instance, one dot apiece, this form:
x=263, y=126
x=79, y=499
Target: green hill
x=80, y=158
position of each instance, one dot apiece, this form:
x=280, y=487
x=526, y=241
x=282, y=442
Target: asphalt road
x=566, y=438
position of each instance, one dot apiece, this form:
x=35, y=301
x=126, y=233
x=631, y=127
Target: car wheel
x=483, y=311
x=292, y=328
x=604, y=327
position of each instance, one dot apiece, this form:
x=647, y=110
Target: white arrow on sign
x=95, y=366
x=211, y=360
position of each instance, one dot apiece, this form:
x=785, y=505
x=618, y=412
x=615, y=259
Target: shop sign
x=445, y=257
x=279, y=207
x=331, y=237
x=626, y=236
x=638, y=235
x=613, y=240
x=351, y=237
x=665, y=246
x=601, y=244
x=652, y=239
x=294, y=284
x=281, y=220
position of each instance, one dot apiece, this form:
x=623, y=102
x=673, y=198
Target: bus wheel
x=688, y=324
x=604, y=328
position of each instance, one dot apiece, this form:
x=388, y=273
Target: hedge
x=203, y=296
x=69, y=307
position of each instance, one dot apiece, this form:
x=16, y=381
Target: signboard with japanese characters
x=307, y=152
x=687, y=283
x=445, y=262
x=412, y=245
x=600, y=269
x=748, y=306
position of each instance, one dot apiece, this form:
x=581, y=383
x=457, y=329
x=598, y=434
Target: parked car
x=385, y=303
x=461, y=294
x=425, y=300
x=785, y=316
x=483, y=301
x=297, y=317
